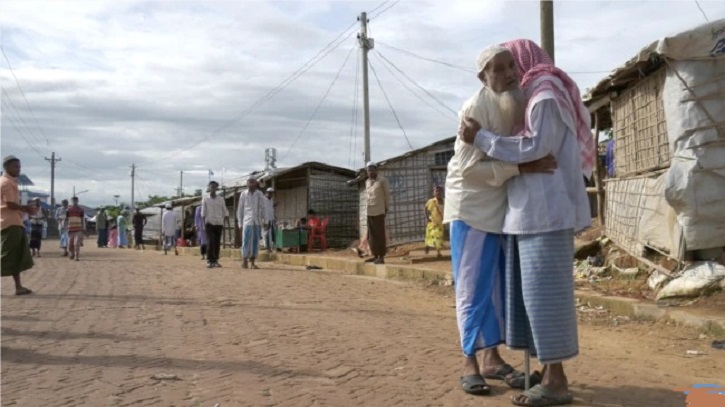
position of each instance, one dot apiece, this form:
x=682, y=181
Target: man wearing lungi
x=544, y=213
x=475, y=208
x=250, y=216
x=16, y=256
x=378, y=205
x=61, y=215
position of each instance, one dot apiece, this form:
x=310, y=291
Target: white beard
x=496, y=112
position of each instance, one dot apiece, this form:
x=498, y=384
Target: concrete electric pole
x=52, y=160
x=547, y=27
x=366, y=44
x=133, y=185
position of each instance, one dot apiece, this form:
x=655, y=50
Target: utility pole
x=52, y=160
x=133, y=184
x=366, y=44
x=181, y=184
x=547, y=27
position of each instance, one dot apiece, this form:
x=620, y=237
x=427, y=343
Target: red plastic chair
x=319, y=234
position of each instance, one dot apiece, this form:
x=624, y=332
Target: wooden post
x=234, y=216
x=598, y=174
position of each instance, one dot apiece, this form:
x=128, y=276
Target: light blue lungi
x=122, y=237
x=540, y=304
x=250, y=240
x=63, y=232
x=478, y=275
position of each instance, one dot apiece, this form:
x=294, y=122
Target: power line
x=21, y=130
x=314, y=113
x=390, y=104
x=22, y=92
x=702, y=11
x=411, y=90
x=353, y=125
x=416, y=84
x=31, y=134
x=324, y=52
x=384, y=10
x=379, y=5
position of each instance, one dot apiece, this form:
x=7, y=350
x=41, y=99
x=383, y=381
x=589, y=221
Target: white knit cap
x=487, y=55
x=371, y=164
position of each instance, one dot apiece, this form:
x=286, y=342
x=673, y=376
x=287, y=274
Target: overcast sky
x=169, y=85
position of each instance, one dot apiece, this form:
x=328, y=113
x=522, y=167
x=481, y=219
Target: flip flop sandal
x=475, y=385
x=540, y=396
x=23, y=291
x=513, y=378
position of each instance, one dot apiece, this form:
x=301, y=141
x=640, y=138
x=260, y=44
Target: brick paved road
x=96, y=331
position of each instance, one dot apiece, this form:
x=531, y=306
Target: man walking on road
x=475, y=207
x=545, y=210
x=214, y=213
x=378, y=205
x=139, y=221
x=102, y=228
x=61, y=215
x=76, y=229
x=168, y=226
x=16, y=256
x=250, y=216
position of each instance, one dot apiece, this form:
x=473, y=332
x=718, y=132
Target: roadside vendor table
x=290, y=238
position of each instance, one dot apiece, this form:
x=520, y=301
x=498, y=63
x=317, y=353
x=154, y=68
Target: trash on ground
x=718, y=345
x=697, y=279
x=695, y=353
x=165, y=376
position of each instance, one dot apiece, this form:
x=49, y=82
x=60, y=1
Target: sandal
x=23, y=291
x=514, y=378
x=540, y=396
x=475, y=385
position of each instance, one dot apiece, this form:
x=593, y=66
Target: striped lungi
x=250, y=240
x=540, y=307
x=478, y=275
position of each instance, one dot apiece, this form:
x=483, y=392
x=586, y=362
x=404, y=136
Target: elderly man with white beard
x=476, y=204
x=544, y=213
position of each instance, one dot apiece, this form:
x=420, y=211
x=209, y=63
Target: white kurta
x=168, y=223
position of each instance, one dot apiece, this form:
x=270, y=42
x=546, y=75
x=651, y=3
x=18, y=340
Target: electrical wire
x=378, y=7
x=353, y=124
x=15, y=121
x=416, y=83
x=322, y=54
x=22, y=92
x=391, y=105
x=384, y=10
x=702, y=11
x=33, y=137
x=432, y=106
x=317, y=108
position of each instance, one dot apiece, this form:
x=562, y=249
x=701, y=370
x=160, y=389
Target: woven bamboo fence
x=640, y=128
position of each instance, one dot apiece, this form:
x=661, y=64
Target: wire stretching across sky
x=22, y=92
x=446, y=114
x=317, y=108
x=390, y=105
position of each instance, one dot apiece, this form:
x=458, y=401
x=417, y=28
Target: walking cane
x=527, y=370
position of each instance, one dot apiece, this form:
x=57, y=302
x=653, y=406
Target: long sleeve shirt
x=251, y=208
x=168, y=223
x=214, y=210
x=378, y=196
x=539, y=202
x=475, y=188
x=268, y=210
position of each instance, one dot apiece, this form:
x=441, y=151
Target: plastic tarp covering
x=657, y=223
x=694, y=101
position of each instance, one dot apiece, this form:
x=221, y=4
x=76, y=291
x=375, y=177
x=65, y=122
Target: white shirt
x=268, y=210
x=475, y=184
x=475, y=188
x=168, y=223
x=251, y=208
x=214, y=210
x=539, y=203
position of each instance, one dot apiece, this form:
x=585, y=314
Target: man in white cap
x=270, y=227
x=250, y=217
x=476, y=203
x=168, y=226
x=16, y=256
x=378, y=205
